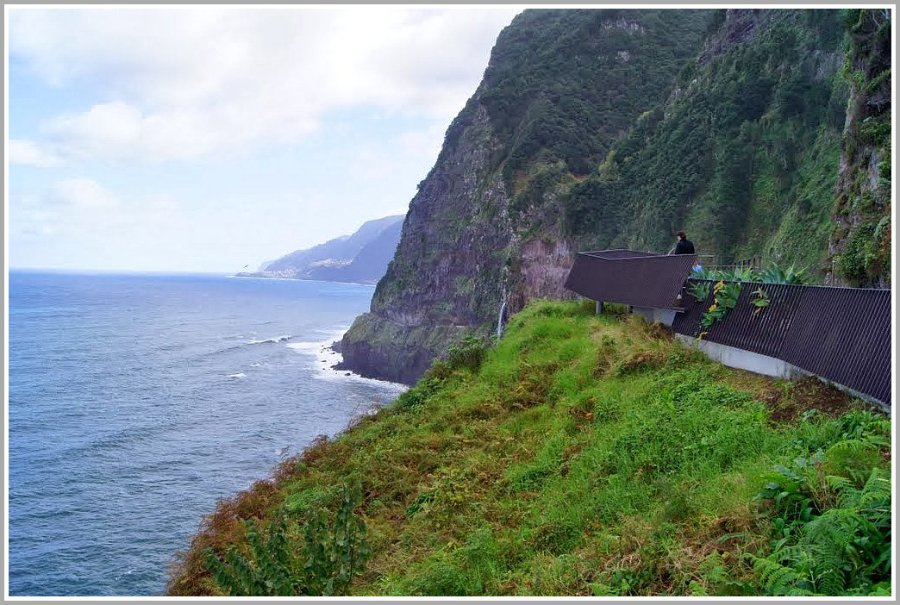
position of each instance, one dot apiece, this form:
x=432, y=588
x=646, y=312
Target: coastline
x=263, y=493
x=321, y=281
x=209, y=399
x=328, y=359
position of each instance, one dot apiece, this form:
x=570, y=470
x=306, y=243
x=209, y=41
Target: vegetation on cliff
x=744, y=153
x=861, y=240
x=581, y=455
x=562, y=86
x=616, y=128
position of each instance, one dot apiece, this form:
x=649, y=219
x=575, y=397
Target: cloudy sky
x=209, y=139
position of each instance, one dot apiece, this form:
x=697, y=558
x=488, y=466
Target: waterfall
x=504, y=294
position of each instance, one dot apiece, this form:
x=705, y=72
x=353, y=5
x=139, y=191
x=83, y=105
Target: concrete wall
x=763, y=364
x=743, y=360
x=651, y=315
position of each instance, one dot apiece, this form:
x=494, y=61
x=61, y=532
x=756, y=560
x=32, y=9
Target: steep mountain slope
x=561, y=86
x=744, y=154
x=360, y=257
x=616, y=128
x=861, y=241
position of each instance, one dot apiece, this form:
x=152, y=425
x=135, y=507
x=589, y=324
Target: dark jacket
x=684, y=246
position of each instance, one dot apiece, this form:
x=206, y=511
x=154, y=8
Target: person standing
x=683, y=245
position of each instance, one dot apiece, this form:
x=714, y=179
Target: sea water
x=138, y=401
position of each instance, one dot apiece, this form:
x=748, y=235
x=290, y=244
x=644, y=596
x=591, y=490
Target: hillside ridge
x=361, y=257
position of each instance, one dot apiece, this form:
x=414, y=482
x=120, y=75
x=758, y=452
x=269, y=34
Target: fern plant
x=700, y=290
x=832, y=533
x=274, y=564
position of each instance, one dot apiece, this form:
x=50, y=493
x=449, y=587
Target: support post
x=599, y=307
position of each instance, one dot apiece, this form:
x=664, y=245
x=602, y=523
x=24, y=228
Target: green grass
x=585, y=455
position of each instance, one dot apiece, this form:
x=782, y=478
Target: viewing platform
x=841, y=335
x=651, y=284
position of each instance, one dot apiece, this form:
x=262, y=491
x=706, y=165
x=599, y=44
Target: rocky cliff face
x=484, y=231
x=860, y=245
x=447, y=274
x=613, y=128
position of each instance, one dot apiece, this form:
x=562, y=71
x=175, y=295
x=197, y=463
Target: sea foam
x=325, y=358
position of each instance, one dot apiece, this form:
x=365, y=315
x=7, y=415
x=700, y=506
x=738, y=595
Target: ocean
x=137, y=401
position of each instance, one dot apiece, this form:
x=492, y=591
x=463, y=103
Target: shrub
x=468, y=354
x=831, y=532
x=773, y=274
x=330, y=557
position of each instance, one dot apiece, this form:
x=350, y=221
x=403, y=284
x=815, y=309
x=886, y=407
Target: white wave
x=274, y=340
x=237, y=376
x=307, y=347
x=326, y=358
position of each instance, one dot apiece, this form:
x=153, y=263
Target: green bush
x=772, y=274
x=467, y=354
x=419, y=394
x=831, y=519
x=331, y=556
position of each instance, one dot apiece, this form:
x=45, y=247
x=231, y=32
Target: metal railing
x=840, y=334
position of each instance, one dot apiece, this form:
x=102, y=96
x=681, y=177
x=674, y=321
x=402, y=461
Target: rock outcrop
x=481, y=233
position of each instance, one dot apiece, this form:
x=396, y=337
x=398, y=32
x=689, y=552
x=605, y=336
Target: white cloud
x=181, y=83
x=83, y=208
x=121, y=130
x=82, y=193
x=29, y=153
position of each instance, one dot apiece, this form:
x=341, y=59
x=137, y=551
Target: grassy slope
x=587, y=455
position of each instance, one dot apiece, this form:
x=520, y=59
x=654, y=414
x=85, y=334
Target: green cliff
x=616, y=128
x=860, y=245
x=484, y=228
x=743, y=155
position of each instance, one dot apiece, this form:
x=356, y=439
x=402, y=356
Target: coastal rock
x=481, y=233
